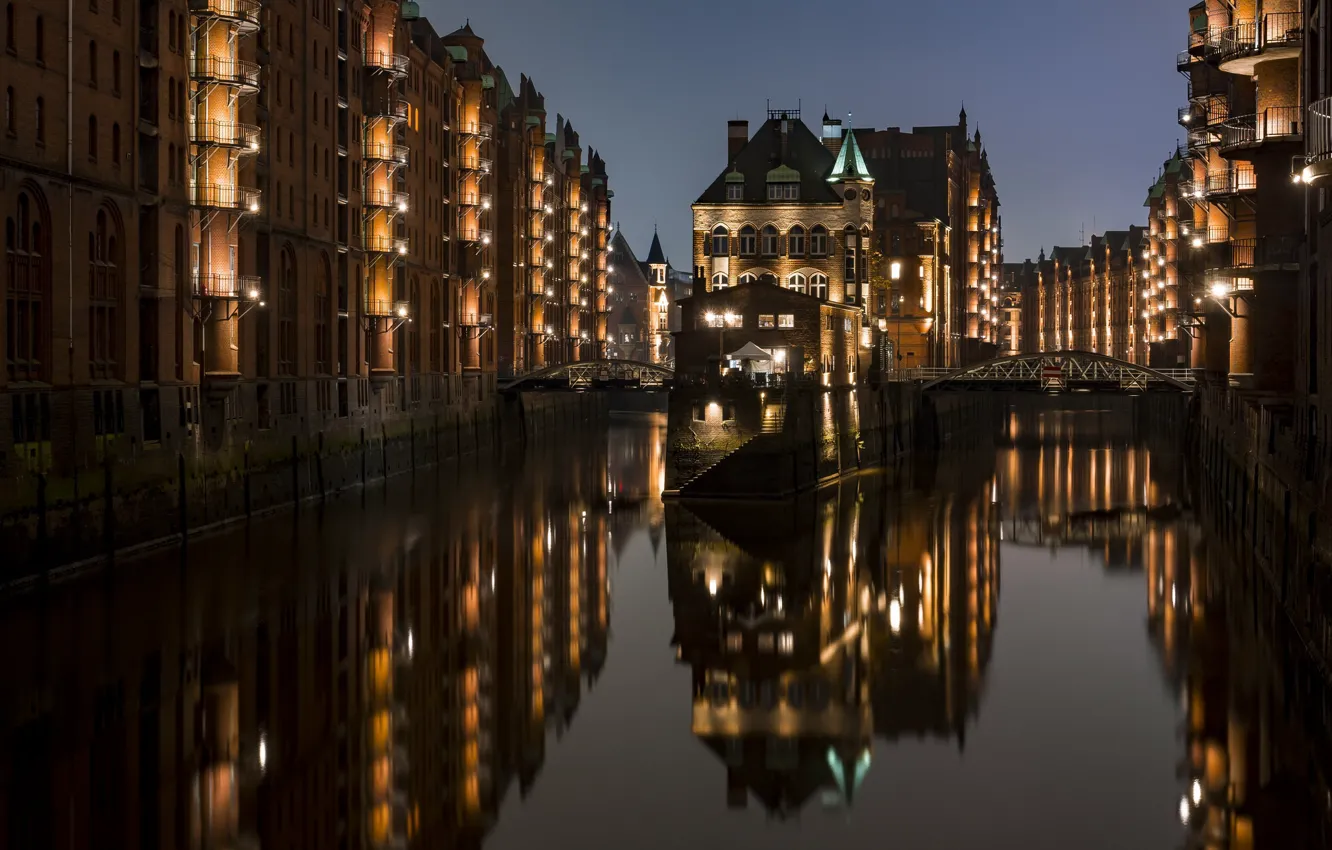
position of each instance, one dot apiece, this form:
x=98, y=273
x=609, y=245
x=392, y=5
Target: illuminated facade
x=266, y=226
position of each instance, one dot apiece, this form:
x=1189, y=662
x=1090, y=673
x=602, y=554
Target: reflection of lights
x=1184, y=810
x=1197, y=792
x=712, y=587
x=895, y=616
x=1174, y=596
x=263, y=751
x=411, y=644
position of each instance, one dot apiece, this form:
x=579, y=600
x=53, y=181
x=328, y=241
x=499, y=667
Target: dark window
x=287, y=314
x=115, y=71
x=795, y=242
x=104, y=292
x=41, y=41
x=721, y=241
x=748, y=241
x=769, y=241
x=92, y=137
x=818, y=241
x=92, y=64
x=27, y=292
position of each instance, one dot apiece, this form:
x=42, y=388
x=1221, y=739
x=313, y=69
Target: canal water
x=1036, y=643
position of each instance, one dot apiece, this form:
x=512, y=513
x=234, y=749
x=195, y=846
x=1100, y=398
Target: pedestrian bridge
x=1085, y=528
x=1055, y=372
x=596, y=375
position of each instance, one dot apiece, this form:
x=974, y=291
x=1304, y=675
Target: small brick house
x=804, y=334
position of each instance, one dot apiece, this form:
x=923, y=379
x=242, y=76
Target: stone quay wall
x=741, y=441
x=153, y=497
x=1275, y=498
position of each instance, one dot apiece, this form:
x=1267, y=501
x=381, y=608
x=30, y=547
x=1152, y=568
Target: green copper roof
x=734, y=177
x=585, y=169
x=458, y=52
x=1200, y=23
x=850, y=165
x=781, y=174
x=532, y=121
x=487, y=81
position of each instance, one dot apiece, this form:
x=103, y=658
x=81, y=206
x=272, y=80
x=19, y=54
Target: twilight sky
x=1075, y=101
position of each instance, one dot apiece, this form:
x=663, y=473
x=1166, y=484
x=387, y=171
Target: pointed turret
x=850, y=164
x=656, y=256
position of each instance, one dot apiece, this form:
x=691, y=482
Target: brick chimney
x=737, y=136
x=832, y=134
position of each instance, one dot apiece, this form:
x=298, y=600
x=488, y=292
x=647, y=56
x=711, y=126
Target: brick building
x=642, y=302
x=797, y=211
x=937, y=222
x=266, y=222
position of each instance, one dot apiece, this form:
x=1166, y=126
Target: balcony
x=1231, y=182
x=378, y=308
x=476, y=163
x=225, y=196
x=384, y=199
x=473, y=199
x=1243, y=46
x=1191, y=190
x=1276, y=124
x=227, y=285
x=226, y=71
x=243, y=13
x=476, y=128
x=1234, y=255
x=392, y=63
x=381, y=244
x=228, y=134
x=474, y=234
x=384, y=152
x=476, y=320
x=1203, y=44
x=1318, y=160
x=393, y=111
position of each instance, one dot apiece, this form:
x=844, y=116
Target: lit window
x=766, y=320
x=720, y=281
x=735, y=642
x=748, y=278
x=818, y=286
x=797, y=282
x=786, y=320
x=795, y=242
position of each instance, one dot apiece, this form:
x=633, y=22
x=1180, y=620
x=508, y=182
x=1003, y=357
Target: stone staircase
x=743, y=472
x=774, y=418
x=686, y=483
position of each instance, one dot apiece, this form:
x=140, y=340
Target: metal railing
x=395, y=63
x=227, y=285
x=384, y=152
x=232, y=134
x=241, y=11
x=225, y=196
x=394, y=111
x=1249, y=38
x=476, y=320
x=383, y=244
x=1278, y=250
x=1231, y=182
x=223, y=69
x=1318, y=145
x=386, y=199
x=474, y=234
x=472, y=199
x=476, y=163
x=1276, y=123
x=475, y=128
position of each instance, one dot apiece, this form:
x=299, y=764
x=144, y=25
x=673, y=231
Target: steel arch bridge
x=1054, y=371
x=595, y=375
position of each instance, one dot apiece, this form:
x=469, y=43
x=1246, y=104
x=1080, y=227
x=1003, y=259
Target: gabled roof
x=805, y=153
x=656, y=257
x=850, y=163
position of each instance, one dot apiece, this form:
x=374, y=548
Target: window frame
x=748, y=241
x=796, y=248
x=818, y=241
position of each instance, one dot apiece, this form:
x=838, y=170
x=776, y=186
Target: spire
x=656, y=257
x=850, y=163
x=962, y=116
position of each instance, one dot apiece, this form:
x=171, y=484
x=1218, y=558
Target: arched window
x=769, y=245
x=115, y=71
x=795, y=242
x=748, y=241
x=40, y=113
x=27, y=291
x=818, y=286
x=41, y=41
x=818, y=241
x=9, y=110
x=323, y=306
x=104, y=293
x=720, y=281
x=171, y=164
x=92, y=64
x=286, y=304
x=747, y=278
x=9, y=27
x=115, y=145
x=797, y=282
x=314, y=159
x=92, y=137
x=852, y=242
x=721, y=241
x=171, y=29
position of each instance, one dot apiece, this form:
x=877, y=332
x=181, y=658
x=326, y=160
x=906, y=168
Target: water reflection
x=403, y=672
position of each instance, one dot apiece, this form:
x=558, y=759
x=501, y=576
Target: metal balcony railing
x=392, y=111
x=224, y=70
x=474, y=234
x=225, y=196
x=1278, y=250
x=1183, y=60
x=381, y=244
x=394, y=63
x=476, y=163
x=227, y=285
x=1217, y=234
x=1319, y=142
x=232, y=134
x=1190, y=189
x=1277, y=123
x=1249, y=38
x=1231, y=182
x=243, y=12
x=383, y=308
x=476, y=320
x=472, y=199
x=384, y=152
x=476, y=128
x=396, y=201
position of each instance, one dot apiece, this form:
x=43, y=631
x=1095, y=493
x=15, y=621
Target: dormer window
x=735, y=191
x=783, y=191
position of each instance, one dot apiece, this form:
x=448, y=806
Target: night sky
x=1076, y=101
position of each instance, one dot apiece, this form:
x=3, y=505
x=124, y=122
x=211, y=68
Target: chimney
x=737, y=136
